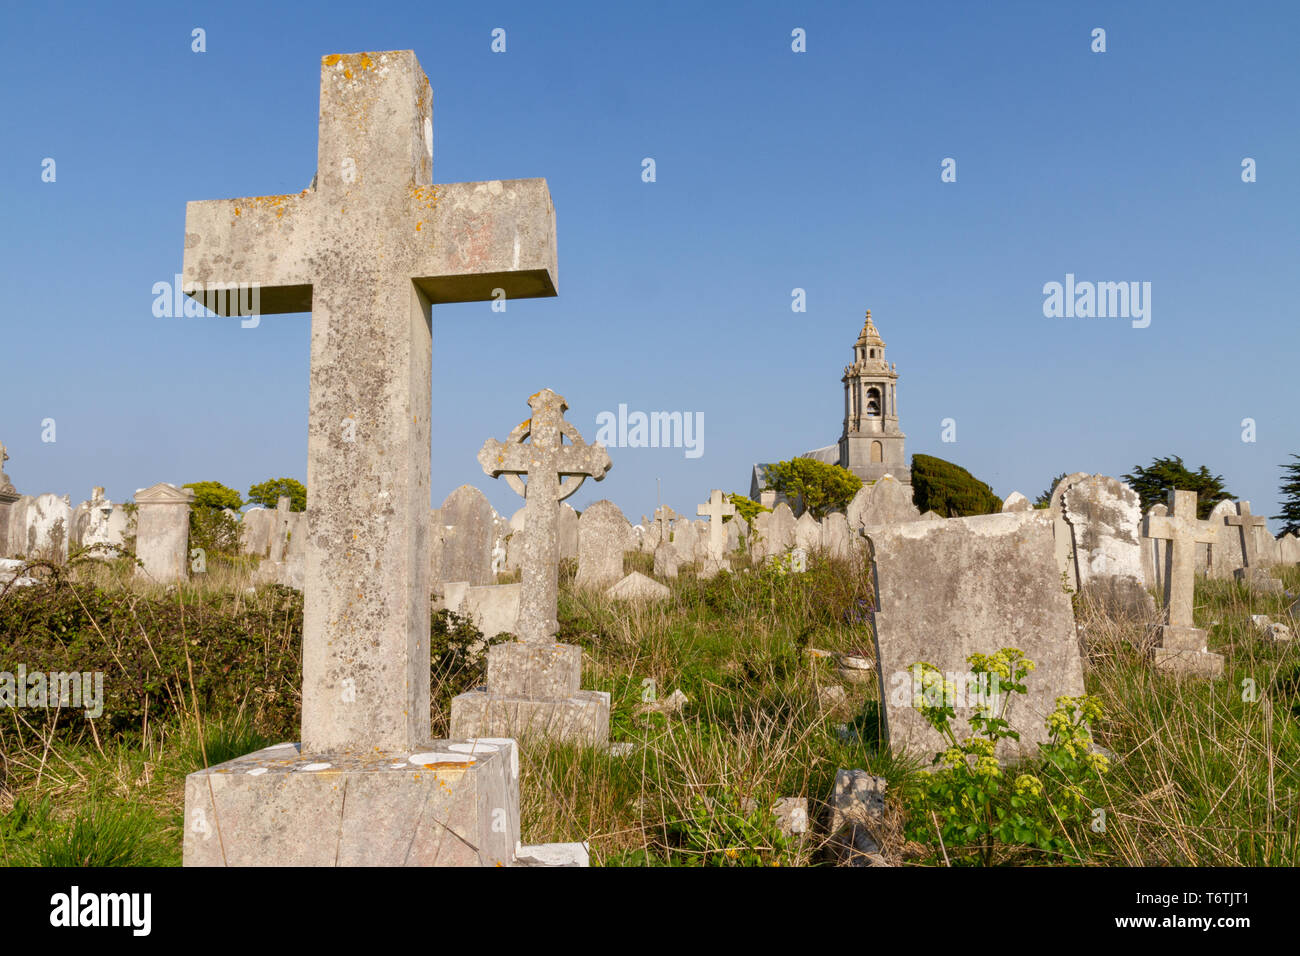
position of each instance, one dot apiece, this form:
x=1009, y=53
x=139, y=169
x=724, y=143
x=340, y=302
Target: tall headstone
x=603, y=536
x=1066, y=561
x=1227, y=555
x=162, y=531
x=1252, y=529
x=49, y=527
x=1182, y=644
x=466, y=517
x=948, y=589
x=368, y=251
x=1104, y=516
x=717, y=509
x=533, y=684
x=778, y=537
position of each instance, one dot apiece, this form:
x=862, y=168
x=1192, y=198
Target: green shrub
x=949, y=490
x=812, y=484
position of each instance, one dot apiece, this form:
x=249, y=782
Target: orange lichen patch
x=419, y=226
x=352, y=62
x=448, y=766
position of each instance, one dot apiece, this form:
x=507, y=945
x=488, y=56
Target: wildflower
x=1028, y=784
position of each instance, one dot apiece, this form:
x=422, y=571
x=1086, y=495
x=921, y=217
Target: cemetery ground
x=1200, y=772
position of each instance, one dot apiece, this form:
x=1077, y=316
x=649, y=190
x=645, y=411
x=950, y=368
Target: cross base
x=1183, y=650
x=450, y=803
x=713, y=567
x=582, y=717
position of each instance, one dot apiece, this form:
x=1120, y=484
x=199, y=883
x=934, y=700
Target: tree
x=950, y=490
x=213, y=494
x=1154, y=482
x=1045, y=499
x=211, y=530
x=268, y=493
x=746, y=507
x=1290, y=498
x=821, y=488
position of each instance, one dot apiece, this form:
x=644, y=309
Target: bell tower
x=872, y=443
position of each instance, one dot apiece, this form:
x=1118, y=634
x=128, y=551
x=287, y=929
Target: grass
x=1205, y=773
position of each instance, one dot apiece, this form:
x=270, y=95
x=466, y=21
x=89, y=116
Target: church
x=871, y=443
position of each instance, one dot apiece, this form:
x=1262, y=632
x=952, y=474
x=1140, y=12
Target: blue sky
x=775, y=170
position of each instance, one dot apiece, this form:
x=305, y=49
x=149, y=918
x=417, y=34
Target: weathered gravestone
x=255, y=531
x=280, y=530
x=1227, y=555
x=162, y=531
x=778, y=536
x=717, y=509
x=684, y=540
x=467, y=537
x=1252, y=528
x=8, y=495
x=887, y=502
x=948, y=589
x=808, y=532
x=368, y=250
x=566, y=532
x=603, y=536
x=17, y=531
x=1016, y=502
x=1182, y=644
x=836, y=537
x=533, y=684
x=1155, y=555
x=1104, y=516
x=49, y=526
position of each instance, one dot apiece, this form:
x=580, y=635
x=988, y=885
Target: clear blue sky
x=775, y=170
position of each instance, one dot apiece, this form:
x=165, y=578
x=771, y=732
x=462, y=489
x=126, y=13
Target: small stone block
x=1174, y=638
x=1196, y=663
x=554, y=854
x=582, y=717
x=544, y=671
x=448, y=803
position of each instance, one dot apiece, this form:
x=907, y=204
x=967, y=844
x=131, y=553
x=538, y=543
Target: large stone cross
x=1183, y=531
x=715, y=509
x=1249, y=524
x=545, y=460
x=368, y=249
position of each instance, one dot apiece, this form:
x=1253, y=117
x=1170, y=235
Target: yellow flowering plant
x=981, y=810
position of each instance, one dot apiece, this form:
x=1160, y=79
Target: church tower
x=872, y=444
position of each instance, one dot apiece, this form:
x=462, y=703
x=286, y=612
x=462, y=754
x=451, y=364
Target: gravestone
x=1066, y=561
x=105, y=525
x=1016, y=502
x=566, y=530
x=1253, y=529
x=736, y=529
x=1105, y=520
x=1182, y=644
x=256, y=528
x=838, y=541
x=684, y=540
x=603, y=536
x=808, y=532
x=949, y=589
x=368, y=250
x=1227, y=555
x=778, y=537
x=717, y=509
x=637, y=587
x=17, y=531
x=49, y=525
x=467, y=536
x=533, y=684
x=1288, y=547
x=1155, y=554
x=280, y=529
x=888, y=503
x=856, y=512
x=162, y=532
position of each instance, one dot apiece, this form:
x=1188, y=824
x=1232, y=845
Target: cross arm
x=473, y=238
x=260, y=241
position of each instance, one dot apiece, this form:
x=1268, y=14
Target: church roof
x=869, y=334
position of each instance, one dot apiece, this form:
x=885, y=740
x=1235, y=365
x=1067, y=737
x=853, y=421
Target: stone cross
x=1183, y=531
x=545, y=460
x=663, y=515
x=1248, y=524
x=367, y=249
x=715, y=509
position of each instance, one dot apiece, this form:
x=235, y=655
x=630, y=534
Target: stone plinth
x=533, y=690
x=450, y=803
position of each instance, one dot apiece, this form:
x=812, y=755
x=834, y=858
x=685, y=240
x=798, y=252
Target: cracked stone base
x=582, y=717
x=450, y=803
x=1197, y=663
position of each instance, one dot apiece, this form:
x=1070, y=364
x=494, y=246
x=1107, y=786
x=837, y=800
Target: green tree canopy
x=950, y=490
x=1290, y=497
x=821, y=488
x=268, y=493
x=745, y=506
x=213, y=494
x=1154, y=482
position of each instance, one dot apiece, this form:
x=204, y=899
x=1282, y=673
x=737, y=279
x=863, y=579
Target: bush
x=949, y=490
x=815, y=485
